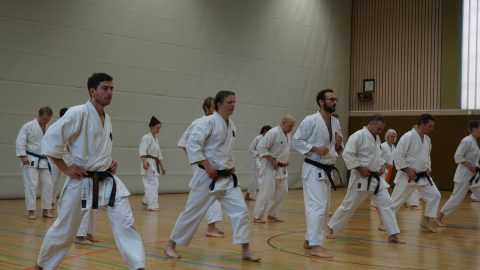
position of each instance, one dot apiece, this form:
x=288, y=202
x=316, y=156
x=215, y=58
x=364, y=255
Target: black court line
x=333, y=260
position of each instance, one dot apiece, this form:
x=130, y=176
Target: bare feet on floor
x=306, y=244
x=91, y=238
x=215, y=234
x=259, y=220
x=274, y=219
x=381, y=227
x=394, y=239
x=31, y=215
x=319, y=251
x=248, y=256
x=171, y=252
x=428, y=226
x=440, y=223
x=47, y=213
x=330, y=234
x=81, y=240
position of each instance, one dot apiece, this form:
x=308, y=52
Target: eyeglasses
x=331, y=99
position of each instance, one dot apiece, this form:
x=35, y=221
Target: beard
x=329, y=109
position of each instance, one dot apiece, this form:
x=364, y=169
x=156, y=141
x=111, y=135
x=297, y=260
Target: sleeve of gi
x=350, y=151
x=21, y=141
x=197, y=140
x=461, y=150
x=299, y=141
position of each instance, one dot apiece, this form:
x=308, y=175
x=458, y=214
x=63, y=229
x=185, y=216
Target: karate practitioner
x=251, y=193
x=467, y=174
x=387, y=155
x=214, y=213
x=210, y=146
x=412, y=159
x=319, y=139
x=362, y=155
x=151, y=164
x=274, y=150
x=35, y=166
x=87, y=130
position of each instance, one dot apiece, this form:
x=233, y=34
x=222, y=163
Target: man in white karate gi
x=214, y=213
x=412, y=159
x=319, y=139
x=362, y=155
x=274, y=150
x=210, y=146
x=35, y=166
x=252, y=187
x=91, y=182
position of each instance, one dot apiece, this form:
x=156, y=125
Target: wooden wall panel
x=397, y=43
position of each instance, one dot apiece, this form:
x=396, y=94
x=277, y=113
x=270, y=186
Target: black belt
x=280, y=164
x=328, y=170
x=476, y=175
x=375, y=175
x=422, y=175
x=157, y=161
x=96, y=178
x=40, y=157
x=222, y=173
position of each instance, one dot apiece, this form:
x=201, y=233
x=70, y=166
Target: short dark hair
x=265, y=129
x=154, y=121
x=473, y=124
x=207, y=103
x=321, y=95
x=424, y=118
x=62, y=111
x=97, y=78
x=376, y=118
x=221, y=96
x=45, y=110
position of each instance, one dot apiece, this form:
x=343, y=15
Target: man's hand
x=382, y=170
x=338, y=140
x=410, y=173
x=321, y=150
x=163, y=170
x=363, y=171
x=114, y=166
x=24, y=160
x=75, y=172
x=145, y=164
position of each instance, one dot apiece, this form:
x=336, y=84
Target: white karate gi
x=87, y=226
x=90, y=146
x=214, y=213
x=467, y=150
x=255, y=182
x=273, y=182
x=149, y=146
x=29, y=139
x=387, y=155
x=363, y=149
x=212, y=139
x=313, y=132
x=412, y=152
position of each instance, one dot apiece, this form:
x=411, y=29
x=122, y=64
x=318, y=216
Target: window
x=470, y=55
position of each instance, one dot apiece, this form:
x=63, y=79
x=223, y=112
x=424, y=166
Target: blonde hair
x=390, y=132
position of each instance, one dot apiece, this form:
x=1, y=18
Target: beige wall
x=165, y=57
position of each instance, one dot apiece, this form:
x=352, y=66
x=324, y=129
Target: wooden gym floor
x=359, y=246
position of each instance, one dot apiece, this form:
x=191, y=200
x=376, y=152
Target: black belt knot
x=475, y=176
x=40, y=157
x=223, y=174
x=96, y=178
x=328, y=170
x=375, y=175
x=423, y=175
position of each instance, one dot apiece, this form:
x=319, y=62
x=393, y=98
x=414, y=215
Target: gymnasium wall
x=166, y=57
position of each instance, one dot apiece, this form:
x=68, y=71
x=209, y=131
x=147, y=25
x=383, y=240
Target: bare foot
x=247, y=256
x=258, y=220
x=394, y=239
x=428, y=226
x=330, y=233
x=153, y=210
x=171, y=252
x=415, y=207
x=274, y=219
x=381, y=227
x=47, y=213
x=440, y=223
x=248, y=198
x=319, y=251
x=31, y=215
x=82, y=241
x=214, y=234
x=373, y=208
x=306, y=245
x=91, y=238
